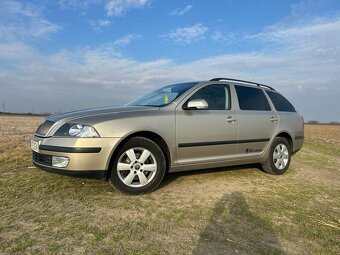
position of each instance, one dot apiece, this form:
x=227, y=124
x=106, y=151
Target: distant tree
x=313, y=122
x=334, y=123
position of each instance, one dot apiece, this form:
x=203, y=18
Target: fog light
x=60, y=161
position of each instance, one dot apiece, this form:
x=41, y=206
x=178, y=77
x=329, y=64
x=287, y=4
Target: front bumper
x=97, y=174
x=86, y=155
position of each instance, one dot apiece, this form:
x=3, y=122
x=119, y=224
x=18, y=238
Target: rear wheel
x=139, y=166
x=279, y=157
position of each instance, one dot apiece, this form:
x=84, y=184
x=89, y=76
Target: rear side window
x=216, y=95
x=252, y=99
x=281, y=104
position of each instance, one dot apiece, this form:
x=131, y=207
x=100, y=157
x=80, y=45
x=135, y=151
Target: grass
x=220, y=211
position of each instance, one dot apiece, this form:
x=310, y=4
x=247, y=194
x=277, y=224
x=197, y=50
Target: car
x=186, y=126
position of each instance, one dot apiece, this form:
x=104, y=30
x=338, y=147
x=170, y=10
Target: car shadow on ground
x=234, y=229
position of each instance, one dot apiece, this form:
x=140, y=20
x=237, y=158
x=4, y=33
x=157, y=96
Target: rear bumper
x=298, y=143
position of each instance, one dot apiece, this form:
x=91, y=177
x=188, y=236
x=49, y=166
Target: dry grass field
x=235, y=210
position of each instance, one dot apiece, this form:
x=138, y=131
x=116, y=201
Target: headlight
x=76, y=130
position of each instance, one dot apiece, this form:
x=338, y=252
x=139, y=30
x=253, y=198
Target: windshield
x=162, y=96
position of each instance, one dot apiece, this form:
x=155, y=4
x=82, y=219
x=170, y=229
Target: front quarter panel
x=160, y=121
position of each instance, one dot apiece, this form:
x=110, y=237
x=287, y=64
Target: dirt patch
x=16, y=131
x=328, y=134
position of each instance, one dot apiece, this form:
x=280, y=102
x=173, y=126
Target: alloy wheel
x=136, y=167
x=281, y=156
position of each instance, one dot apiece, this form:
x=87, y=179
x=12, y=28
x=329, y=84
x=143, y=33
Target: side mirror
x=197, y=104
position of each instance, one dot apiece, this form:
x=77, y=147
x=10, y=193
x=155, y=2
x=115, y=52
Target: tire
x=139, y=167
x=279, y=157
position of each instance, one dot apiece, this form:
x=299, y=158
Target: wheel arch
x=159, y=140
x=289, y=138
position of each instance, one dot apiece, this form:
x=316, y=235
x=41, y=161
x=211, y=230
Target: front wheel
x=279, y=157
x=139, y=167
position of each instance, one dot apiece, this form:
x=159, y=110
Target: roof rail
x=249, y=82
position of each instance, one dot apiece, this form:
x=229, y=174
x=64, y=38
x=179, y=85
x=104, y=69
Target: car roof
x=242, y=82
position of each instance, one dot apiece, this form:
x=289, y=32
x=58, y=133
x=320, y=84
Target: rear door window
x=280, y=103
x=252, y=99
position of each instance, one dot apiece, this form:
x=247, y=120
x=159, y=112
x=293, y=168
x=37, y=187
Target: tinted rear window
x=252, y=99
x=281, y=104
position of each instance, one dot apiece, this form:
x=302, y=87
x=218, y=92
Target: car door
x=204, y=135
x=257, y=121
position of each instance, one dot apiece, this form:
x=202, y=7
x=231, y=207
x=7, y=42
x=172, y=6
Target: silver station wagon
x=186, y=126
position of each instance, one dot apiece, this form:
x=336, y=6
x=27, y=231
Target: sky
x=63, y=55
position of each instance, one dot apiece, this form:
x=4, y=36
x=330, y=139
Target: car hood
x=63, y=117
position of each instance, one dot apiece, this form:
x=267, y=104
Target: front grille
x=42, y=158
x=44, y=127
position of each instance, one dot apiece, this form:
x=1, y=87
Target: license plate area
x=35, y=146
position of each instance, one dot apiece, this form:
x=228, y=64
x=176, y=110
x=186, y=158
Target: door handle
x=273, y=119
x=231, y=119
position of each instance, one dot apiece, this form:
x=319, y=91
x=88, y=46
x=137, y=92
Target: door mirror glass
x=197, y=104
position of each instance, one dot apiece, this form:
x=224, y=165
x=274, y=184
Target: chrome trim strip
x=47, y=134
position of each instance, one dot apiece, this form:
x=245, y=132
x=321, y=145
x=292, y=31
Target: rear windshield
x=281, y=104
x=162, y=96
